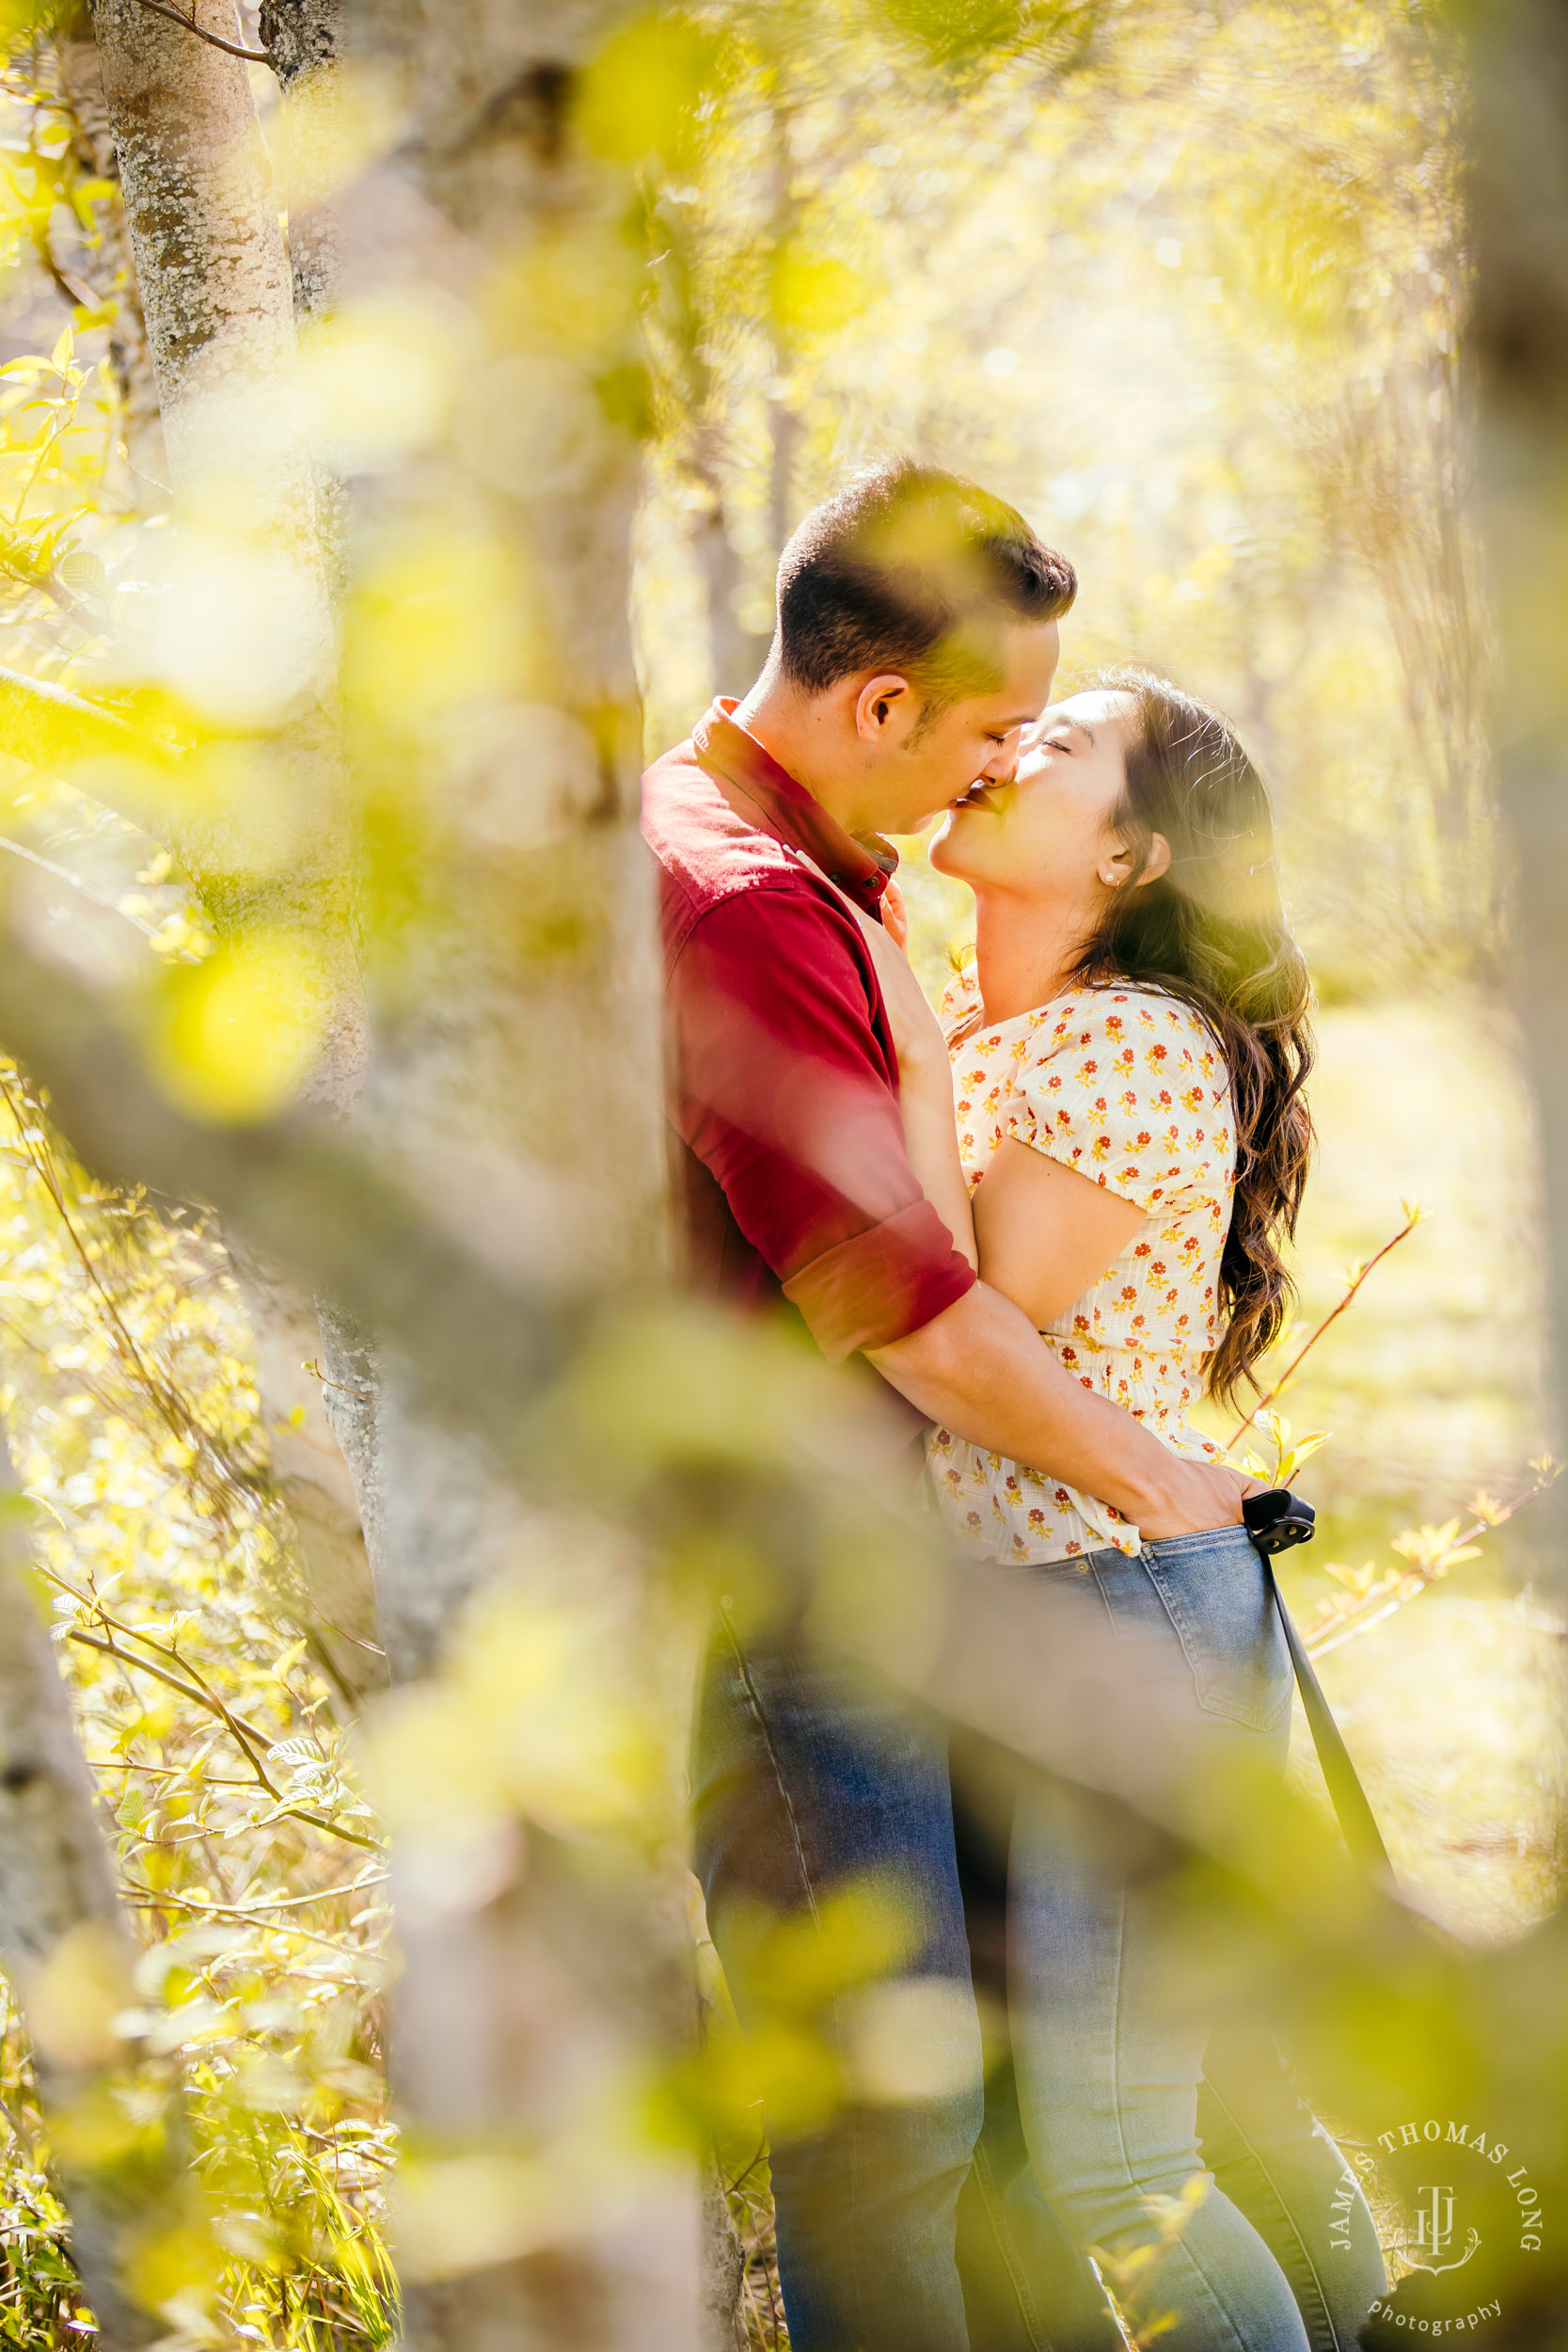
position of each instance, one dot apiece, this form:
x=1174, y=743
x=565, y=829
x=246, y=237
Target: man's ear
x=886, y=709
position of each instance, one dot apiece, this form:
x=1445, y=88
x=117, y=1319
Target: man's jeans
x=806, y=1784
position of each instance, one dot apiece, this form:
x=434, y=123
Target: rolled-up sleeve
x=783, y=1090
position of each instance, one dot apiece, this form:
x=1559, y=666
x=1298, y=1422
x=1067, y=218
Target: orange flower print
x=1066, y=1081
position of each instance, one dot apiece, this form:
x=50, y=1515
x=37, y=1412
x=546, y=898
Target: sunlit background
x=1189, y=286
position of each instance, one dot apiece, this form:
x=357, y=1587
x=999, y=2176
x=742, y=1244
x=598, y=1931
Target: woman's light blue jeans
x=1113, y=1998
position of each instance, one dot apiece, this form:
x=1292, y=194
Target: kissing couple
x=1050, y=1221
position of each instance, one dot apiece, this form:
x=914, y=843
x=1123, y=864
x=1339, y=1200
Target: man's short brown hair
x=918, y=571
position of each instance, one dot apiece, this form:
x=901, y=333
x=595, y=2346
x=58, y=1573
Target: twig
x=1412, y=1218
x=173, y=1409
x=186, y=1689
x=1400, y=1588
x=95, y=898
x=143, y=1898
x=284, y=1903
x=198, y=1689
x=732, y=2187
x=215, y=41
x=162, y=1771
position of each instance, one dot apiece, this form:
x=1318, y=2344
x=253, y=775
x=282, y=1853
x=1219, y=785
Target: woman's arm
x=1045, y=1233
x=924, y=1089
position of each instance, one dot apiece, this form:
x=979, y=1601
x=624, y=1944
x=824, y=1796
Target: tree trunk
x=218, y=298
x=110, y=270
x=66, y=1948
x=1520, y=335
x=517, y=1075
x=220, y=302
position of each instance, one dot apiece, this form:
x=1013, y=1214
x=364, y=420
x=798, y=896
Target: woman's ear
x=1159, y=859
x=1116, y=870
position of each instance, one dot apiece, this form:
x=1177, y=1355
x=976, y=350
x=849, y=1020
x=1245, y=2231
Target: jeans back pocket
x=1216, y=1593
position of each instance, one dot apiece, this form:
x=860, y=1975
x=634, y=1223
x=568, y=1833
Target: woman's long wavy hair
x=1211, y=929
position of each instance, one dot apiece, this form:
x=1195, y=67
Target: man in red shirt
x=917, y=636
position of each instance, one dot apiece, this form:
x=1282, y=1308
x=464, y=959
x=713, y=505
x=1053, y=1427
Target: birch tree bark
x=517, y=1073
x=110, y=270
x=218, y=297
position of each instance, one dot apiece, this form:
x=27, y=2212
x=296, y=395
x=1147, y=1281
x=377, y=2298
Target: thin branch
x=291, y=1902
x=210, y=1700
x=206, y=1698
x=187, y=1690
x=1402, y=1585
x=179, y=1415
x=215, y=41
x=1412, y=1218
x=163, y=1771
x=143, y=1898
x=97, y=897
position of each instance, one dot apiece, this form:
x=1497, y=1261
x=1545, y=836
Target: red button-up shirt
x=782, y=1074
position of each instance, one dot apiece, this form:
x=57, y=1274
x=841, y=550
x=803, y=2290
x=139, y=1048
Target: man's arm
x=979, y=1369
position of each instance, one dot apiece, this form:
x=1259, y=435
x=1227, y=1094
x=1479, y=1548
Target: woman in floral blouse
x=1127, y=1054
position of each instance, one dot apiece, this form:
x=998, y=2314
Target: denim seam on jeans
x=1303, y=2249
x=755, y=1702
x=1120, y=2109
x=1007, y=2248
x=1215, y=2295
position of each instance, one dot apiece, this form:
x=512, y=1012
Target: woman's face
x=1049, y=828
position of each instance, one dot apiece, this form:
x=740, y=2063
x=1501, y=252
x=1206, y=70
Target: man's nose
x=1003, y=760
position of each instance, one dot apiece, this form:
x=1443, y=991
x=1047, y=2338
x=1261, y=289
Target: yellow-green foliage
x=247, y=1853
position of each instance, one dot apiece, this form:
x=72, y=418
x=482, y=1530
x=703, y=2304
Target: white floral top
x=1128, y=1085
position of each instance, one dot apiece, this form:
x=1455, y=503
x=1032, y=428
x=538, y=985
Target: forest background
x=1189, y=285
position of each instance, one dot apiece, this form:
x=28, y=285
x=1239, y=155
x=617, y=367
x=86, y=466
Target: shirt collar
x=861, y=865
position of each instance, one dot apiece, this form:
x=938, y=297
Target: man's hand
x=980, y=1370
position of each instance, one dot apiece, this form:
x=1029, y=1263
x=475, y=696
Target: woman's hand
x=916, y=1032
x=924, y=1088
